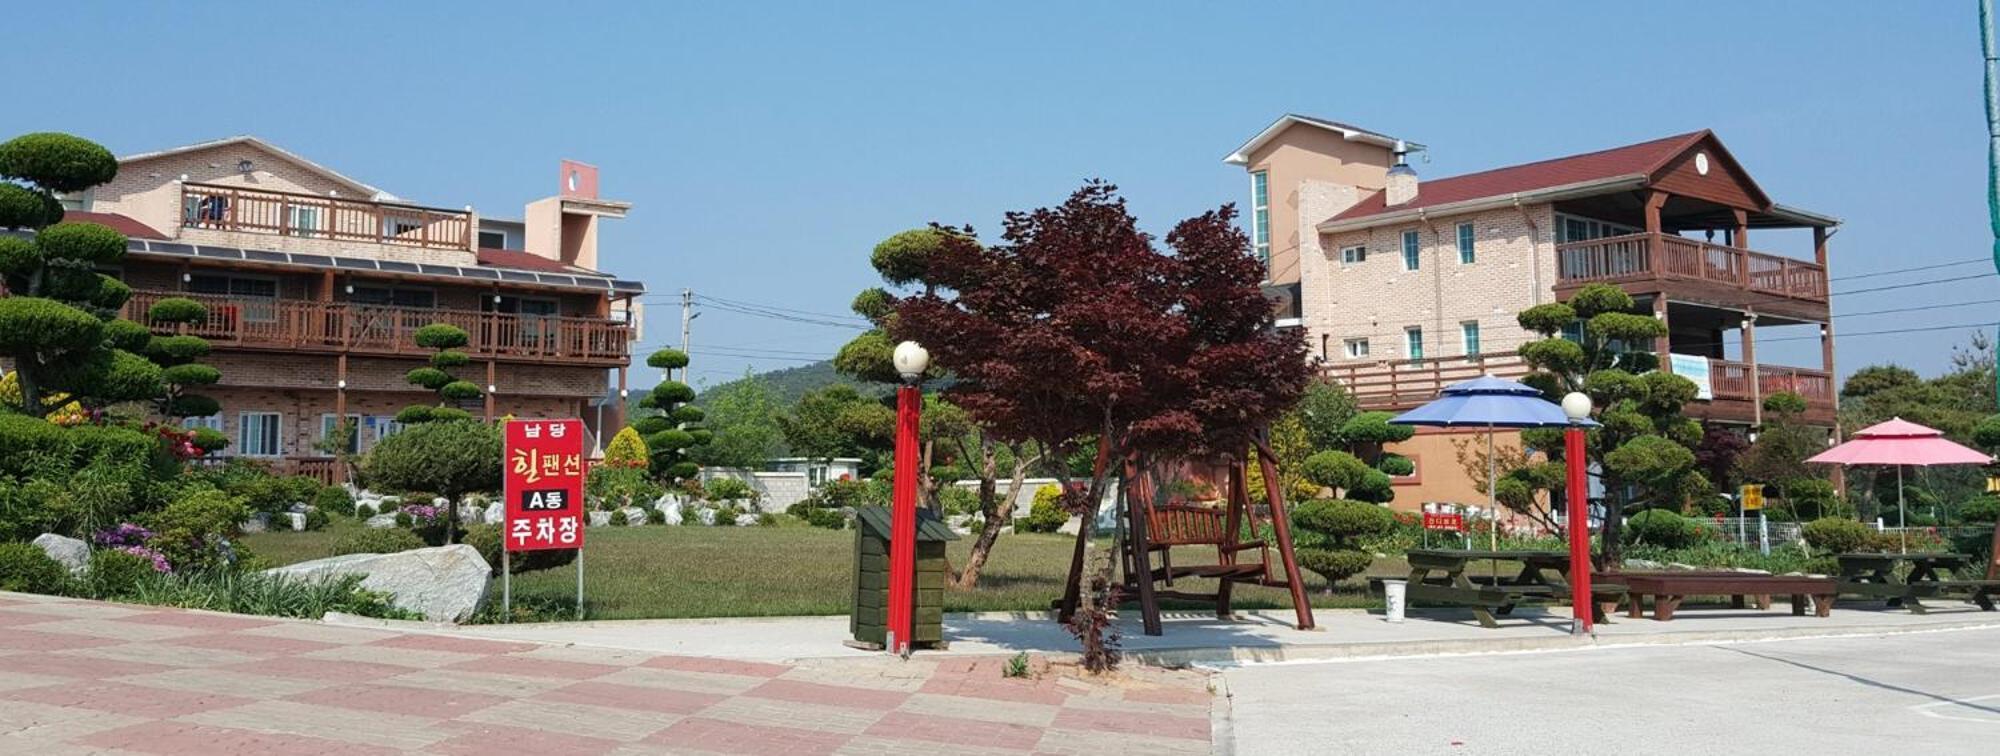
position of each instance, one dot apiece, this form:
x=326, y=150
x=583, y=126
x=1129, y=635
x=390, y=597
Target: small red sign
x=544, y=469
x=1443, y=522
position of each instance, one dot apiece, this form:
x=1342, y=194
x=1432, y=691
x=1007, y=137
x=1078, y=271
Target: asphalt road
x=1928, y=693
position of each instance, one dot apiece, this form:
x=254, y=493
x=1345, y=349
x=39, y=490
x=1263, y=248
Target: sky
x=766, y=147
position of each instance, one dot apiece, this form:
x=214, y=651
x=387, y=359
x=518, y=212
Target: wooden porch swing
x=1153, y=526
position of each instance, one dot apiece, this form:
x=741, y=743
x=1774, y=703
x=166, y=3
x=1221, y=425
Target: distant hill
x=789, y=384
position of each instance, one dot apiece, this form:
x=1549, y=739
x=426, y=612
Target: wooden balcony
x=1695, y=267
x=339, y=327
x=232, y=208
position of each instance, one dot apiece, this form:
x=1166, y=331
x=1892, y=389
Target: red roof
x=122, y=224
x=514, y=258
x=1644, y=158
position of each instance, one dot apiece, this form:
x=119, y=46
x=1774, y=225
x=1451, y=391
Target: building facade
x=316, y=283
x=1406, y=285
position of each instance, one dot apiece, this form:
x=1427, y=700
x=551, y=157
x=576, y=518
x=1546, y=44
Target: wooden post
x=1739, y=238
x=1663, y=345
x=1281, y=528
x=489, y=390
x=1656, y=250
x=1142, y=573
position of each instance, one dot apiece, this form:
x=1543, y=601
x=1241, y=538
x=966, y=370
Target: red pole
x=1579, y=529
x=903, y=520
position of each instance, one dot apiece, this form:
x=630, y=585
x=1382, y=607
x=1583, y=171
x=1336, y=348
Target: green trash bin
x=870, y=620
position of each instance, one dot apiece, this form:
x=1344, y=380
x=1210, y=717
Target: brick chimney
x=1400, y=186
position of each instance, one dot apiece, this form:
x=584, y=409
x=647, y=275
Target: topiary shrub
x=334, y=500
x=1662, y=528
x=196, y=530
x=177, y=310
x=376, y=541
x=626, y=449
x=1046, y=513
x=1333, y=530
x=618, y=518
x=57, y=162
x=1836, y=535
x=1397, y=465
x=1985, y=509
x=486, y=538
x=453, y=457
x=27, y=569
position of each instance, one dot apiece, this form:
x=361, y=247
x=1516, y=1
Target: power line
x=1912, y=284
x=775, y=308
x=1894, y=271
x=1919, y=309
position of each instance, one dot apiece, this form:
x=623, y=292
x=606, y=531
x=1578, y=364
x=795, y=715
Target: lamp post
x=911, y=360
x=1576, y=406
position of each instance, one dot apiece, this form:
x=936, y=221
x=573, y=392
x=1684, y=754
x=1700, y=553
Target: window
x=328, y=424
x=1573, y=331
x=1412, y=250
x=1468, y=335
x=493, y=239
x=256, y=299
x=305, y=221
x=211, y=422
x=395, y=227
x=381, y=427
x=1354, y=254
x=1413, y=338
x=1465, y=254
x=1260, y=216
x=257, y=434
x=1571, y=228
x=1356, y=348
x=77, y=200
x=397, y=296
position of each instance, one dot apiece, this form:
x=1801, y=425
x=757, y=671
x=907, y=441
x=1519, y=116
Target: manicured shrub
x=195, y=531
x=88, y=242
x=429, y=377
x=453, y=457
x=177, y=310
x=376, y=541
x=182, y=348
x=1046, y=513
x=670, y=391
x=441, y=336
x=618, y=518
x=1331, y=533
x=459, y=391
x=1335, y=564
x=450, y=358
x=486, y=538
x=334, y=500
x=668, y=359
x=1662, y=528
x=57, y=162
x=1836, y=535
x=32, y=323
x=1396, y=464
x=1337, y=470
x=27, y=569
x=21, y=207
x=316, y=519
x=730, y=489
x=1985, y=509
x=625, y=450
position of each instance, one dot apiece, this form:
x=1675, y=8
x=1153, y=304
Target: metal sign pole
x=579, y=584
x=506, y=586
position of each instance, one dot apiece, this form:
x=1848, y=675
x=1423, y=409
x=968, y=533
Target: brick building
x=1405, y=285
x=316, y=282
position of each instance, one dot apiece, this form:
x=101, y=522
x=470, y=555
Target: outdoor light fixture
x=1576, y=406
x=489, y=388
x=911, y=361
x=243, y=166
x=186, y=277
x=341, y=384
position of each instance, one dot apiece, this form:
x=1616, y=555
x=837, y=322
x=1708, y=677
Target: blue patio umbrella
x=1491, y=403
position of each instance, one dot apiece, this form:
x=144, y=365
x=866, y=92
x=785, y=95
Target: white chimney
x=1401, y=183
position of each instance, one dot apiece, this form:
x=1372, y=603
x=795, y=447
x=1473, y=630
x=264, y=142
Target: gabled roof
x=1615, y=169
x=359, y=187
x=1348, y=132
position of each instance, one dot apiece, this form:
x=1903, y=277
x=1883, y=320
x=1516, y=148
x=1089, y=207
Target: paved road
x=1930, y=693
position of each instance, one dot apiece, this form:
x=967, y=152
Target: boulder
x=670, y=512
x=387, y=520
x=258, y=523
x=599, y=518
x=1642, y=564
x=471, y=514
x=444, y=584
x=495, y=514
x=296, y=521
x=705, y=516
x=67, y=551
x=1681, y=567
x=635, y=516
x=746, y=520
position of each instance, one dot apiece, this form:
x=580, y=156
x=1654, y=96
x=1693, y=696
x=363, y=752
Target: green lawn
x=693, y=571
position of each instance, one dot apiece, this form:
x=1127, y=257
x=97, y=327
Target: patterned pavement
x=90, y=677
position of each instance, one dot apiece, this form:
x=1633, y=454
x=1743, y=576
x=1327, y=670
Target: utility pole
x=687, y=325
x=1986, y=43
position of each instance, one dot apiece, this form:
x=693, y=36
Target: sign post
x=543, y=472
x=1750, y=499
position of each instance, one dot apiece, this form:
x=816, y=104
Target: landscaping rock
x=495, y=514
x=444, y=584
x=1642, y=564
x=599, y=518
x=296, y=521
x=1749, y=571
x=257, y=523
x=1682, y=567
x=70, y=552
x=1071, y=527
x=705, y=516
x=440, y=502
x=746, y=520
x=471, y=514
x=670, y=512
x=387, y=520
x=635, y=516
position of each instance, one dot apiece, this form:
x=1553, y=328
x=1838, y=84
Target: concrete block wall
x=776, y=491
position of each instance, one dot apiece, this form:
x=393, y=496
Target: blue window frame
x=1412, y=250
x=1466, y=255
x=1260, y=216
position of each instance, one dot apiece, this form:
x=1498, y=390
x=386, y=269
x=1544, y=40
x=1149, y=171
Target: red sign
x=1443, y=522
x=544, y=467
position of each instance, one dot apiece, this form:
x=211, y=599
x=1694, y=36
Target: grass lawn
x=694, y=571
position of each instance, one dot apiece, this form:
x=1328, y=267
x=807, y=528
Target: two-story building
x=1404, y=285
x=316, y=283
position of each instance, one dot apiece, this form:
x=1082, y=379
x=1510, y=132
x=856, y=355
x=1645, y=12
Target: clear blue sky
x=766, y=147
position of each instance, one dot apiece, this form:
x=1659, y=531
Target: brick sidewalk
x=89, y=677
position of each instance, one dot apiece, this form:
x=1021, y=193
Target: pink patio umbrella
x=1900, y=442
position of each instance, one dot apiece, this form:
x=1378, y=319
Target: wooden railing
x=345, y=327
x=1401, y=384
x=1666, y=256
x=326, y=470
x=1731, y=380
x=231, y=208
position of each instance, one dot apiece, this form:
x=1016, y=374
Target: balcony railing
x=1731, y=380
x=371, y=329
x=1634, y=257
x=1401, y=384
x=232, y=208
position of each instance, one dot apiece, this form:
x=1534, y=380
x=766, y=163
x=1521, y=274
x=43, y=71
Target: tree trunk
x=31, y=390
x=995, y=510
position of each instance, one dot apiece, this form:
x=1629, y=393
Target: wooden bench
x=1669, y=589
x=1873, y=577
x=1438, y=577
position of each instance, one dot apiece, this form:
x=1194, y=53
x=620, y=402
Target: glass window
x=493, y=239
x=1468, y=332
x=257, y=434
x=305, y=221
x=1412, y=252
x=1260, y=216
x=1352, y=255
x=328, y=424
x=1356, y=348
x=1414, y=339
x=394, y=296
x=256, y=299
x=1465, y=253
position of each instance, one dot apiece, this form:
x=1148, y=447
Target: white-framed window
x=1571, y=228
x=1353, y=255
x=254, y=298
x=1260, y=216
x=380, y=427
x=1413, y=342
x=1412, y=250
x=1356, y=348
x=329, y=422
x=1466, y=255
x=493, y=239
x=211, y=422
x=304, y=220
x=259, y=434
x=1468, y=337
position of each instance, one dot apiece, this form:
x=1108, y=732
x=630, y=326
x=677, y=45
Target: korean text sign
x=544, y=467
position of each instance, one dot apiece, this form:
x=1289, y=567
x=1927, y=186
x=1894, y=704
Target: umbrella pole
x=1902, y=517
x=1492, y=504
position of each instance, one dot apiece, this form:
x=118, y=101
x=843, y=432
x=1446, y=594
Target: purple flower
x=158, y=559
x=126, y=534
x=421, y=512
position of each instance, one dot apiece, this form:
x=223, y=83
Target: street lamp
x=1576, y=406
x=911, y=361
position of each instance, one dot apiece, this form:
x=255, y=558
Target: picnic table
x=1669, y=589
x=1437, y=576
x=1873, y=576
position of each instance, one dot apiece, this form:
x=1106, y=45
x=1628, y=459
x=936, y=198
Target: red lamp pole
x=1579, y=529
x=903, y=520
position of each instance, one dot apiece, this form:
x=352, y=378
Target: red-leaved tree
x=1075, y=327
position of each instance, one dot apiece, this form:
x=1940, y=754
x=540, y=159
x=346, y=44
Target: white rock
x=382, y=521
x=670, y=513
x=599, y=518
x=471, y=514
x=635, y=516
x=444, y=584
x=296, y=521
x=959, y=521
x=1641, y=564
x=258, y=523
x=705, y=516
x=440, y=502
x=495, y=514
x=746, y=520
x=1679, y=566
x=68, y=551
x=1070, y=527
